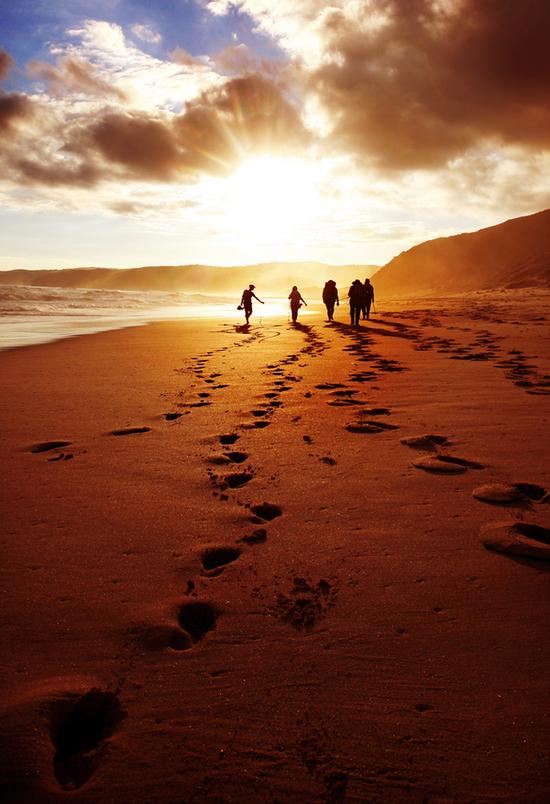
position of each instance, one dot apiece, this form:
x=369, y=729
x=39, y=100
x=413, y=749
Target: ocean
x=31, y=314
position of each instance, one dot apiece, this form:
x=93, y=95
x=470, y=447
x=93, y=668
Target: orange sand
x=366, y=647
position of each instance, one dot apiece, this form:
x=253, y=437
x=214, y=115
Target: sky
x=232, y=132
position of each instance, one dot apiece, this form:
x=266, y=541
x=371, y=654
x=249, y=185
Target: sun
x=270, y=196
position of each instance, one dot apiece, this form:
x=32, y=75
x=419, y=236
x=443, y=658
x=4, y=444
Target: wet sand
x=250, y=565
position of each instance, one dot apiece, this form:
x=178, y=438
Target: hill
x=276, y=277
x=512, y=254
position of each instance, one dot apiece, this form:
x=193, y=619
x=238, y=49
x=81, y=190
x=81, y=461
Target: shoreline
x=356, y=640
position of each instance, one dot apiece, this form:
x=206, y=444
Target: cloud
x=58, y=174
x=213, y=134
x=147, y=34
x=148, y=82
x=6, y=63
x=13, y=108
x=181, y=56
x=73, y=74
x=414, y=84
x=430, y=85
x=87, y=144
x=146, y=147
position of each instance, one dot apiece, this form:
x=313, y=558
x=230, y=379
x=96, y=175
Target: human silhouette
x=296, y=302
x=356, y=295
x=246, y=301
x=368, y=298
x=330, y=298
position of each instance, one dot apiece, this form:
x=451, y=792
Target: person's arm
x=337, y=299
x=257, y=299
x=303, y=300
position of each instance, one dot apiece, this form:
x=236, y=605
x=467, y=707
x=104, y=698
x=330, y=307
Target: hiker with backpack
x=356, y=300
x=330, y=298
x=368, y=298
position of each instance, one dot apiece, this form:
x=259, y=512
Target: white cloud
x=148, y=82
x=147, y=34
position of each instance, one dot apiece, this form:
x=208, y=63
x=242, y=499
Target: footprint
x=424, y=441
x=383, y=425
x=515, y=492
x=259, y=412
x=518, y=538
x=230, y=438
x=159, y=637
x=237, y=479
x=130, y=431
x=228, y=457
x=370, y=427
x=170, y=417
x=236, y=457
x=446, y=464
x=197, y=619
x=266, y=511
x=363, y=428
x=78, y=733
x=305, y=603
x=46, y=446
x=215, y=559
x=256, y=537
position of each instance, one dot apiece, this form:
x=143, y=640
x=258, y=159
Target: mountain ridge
x=268, y=276
x=514, y=253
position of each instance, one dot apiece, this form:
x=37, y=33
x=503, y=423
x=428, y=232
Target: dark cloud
x=57, y=173
x=74, y=74
x=213, y=134
x=6, y=63
x=145, y=147
x=13, y=107
x=243, y=117
x=436, y=78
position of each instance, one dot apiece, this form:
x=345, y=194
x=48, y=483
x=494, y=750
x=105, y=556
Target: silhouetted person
x=296, y=302
x=330, y=298
x=356, y=297
x=368, y=298
x=246, y=301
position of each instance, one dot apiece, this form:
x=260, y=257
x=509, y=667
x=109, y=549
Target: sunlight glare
x=272, y=196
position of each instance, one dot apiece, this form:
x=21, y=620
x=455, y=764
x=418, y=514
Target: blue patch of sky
x=28, y=27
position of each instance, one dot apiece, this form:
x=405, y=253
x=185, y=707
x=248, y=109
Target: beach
x=255, y=561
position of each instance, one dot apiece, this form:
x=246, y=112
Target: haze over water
x=31, y=315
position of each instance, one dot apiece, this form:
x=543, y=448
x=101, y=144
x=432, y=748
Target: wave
x=34, y=300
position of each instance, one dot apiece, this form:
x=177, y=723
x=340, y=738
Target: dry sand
x=361, y=645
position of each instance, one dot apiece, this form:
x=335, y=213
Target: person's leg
x=248, y=313
x=368, y=309
x=294, y=311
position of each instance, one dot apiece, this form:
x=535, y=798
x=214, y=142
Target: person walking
x=330, y=298
x=368, y=298
x=296, y=302
x=355, y=295
x=246, y=301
